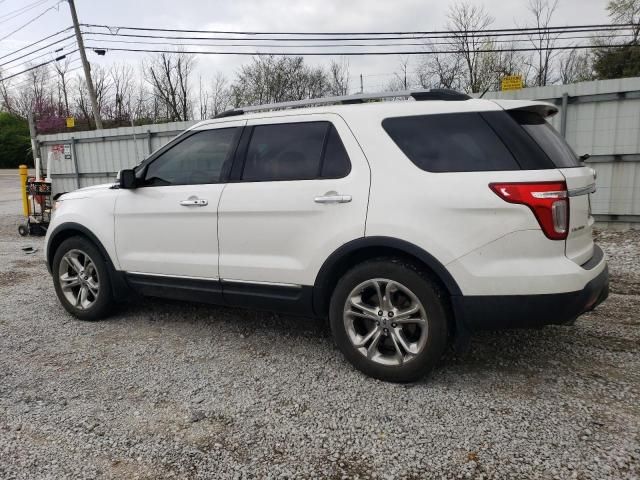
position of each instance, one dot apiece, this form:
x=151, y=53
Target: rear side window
x=295, y=151
x=458, y=142
x=556, y=148
x=336, y=162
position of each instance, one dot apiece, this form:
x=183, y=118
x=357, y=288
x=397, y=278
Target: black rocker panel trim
x=177, y=288
x=280, y=298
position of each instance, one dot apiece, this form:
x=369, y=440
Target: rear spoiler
x=541, y=108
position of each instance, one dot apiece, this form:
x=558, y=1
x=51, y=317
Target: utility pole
x=86, y=66
x=34, y=145
x=361, y=84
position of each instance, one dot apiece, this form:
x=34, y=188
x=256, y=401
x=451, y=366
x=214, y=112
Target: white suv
x=406, y=223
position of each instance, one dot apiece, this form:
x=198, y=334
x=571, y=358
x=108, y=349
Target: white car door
x=168, y=224
x=301, y=193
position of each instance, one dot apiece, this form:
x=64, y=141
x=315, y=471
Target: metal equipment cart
x=39, y=212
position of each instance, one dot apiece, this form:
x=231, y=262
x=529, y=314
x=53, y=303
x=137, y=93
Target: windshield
x=556, y=148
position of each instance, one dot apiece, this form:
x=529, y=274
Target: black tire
x=23, y=230
x=429, y=295
x=103, y=302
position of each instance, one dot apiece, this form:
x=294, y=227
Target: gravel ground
x=166, y=389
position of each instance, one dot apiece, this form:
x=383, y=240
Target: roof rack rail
x=229, y=113
x=419, y=95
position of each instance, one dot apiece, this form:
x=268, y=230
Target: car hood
x=86, y=191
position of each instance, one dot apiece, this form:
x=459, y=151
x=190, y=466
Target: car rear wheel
x=389, y=320
x=81, y=279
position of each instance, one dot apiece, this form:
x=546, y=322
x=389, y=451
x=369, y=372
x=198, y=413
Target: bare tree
x=626, y=11
x=402, y=76
x=575, y=66
x=272, y=79
x=6, y=99
x=143, y=105
x=438, y=70
x=465, y=20
x=203, y=100
x=32, y=94
x=62, y=83
x=543, y=40
x=121, y=77
x=81, y=100
x=220, y=94
x=103, y=86
x=339, y=77
x=169, y=75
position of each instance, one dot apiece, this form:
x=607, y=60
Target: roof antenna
x=485, y=91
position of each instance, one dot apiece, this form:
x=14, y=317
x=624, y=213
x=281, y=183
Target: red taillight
x=547, y=200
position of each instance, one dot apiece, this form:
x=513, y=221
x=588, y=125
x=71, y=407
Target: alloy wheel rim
x=79, y=279
x=385, y=322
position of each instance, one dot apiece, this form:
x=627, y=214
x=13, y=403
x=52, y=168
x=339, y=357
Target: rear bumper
x=489, y=312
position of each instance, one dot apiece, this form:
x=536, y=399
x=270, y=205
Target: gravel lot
x=166, y=389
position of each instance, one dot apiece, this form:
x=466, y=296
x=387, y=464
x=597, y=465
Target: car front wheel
x=81, y=279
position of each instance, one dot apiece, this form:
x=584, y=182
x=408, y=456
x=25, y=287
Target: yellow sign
x=71, y=122
x=512, y=82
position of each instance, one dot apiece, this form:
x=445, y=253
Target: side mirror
x=127, y=178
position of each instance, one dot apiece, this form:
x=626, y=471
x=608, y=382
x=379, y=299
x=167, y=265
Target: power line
x=30, y=21
x=24, y=82
x=434, y=32
x=450, y=35
x=143, y=42
x=57, y=42
x=37, y=42
x=301, y=54
x=38, y=66
x=20, y=11
x=59, y=51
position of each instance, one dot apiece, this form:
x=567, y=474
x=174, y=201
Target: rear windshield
x=556, y=148
x=450, y=142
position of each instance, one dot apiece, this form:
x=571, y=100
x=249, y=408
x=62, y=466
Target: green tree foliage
x=15, y=144
x=618, y=61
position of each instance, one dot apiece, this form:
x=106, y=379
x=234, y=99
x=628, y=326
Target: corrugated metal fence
x=81, y=159
x=601, y=118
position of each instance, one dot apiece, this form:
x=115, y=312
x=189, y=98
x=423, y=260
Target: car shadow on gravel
x=248, y=321
x=519, y=356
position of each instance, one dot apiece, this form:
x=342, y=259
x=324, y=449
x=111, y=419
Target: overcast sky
x=275, y=15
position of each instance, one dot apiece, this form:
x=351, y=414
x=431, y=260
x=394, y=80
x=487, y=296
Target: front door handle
x=333, y=197
x=194, y=202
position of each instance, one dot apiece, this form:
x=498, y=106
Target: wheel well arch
x=72, y=229
x=356, y=251
x=68, y=230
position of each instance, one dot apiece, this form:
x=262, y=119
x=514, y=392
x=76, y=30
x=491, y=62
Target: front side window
x=295, y=151
x=198, y=159
x=450, y=142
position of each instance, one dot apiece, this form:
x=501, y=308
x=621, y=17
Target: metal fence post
x=563, y=115
x=75, y=161
x=149, y=142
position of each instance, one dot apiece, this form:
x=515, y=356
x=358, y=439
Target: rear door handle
x=194, y=202
x=333, y=199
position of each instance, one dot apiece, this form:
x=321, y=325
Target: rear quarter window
x=547, y=138
x=456, y=142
